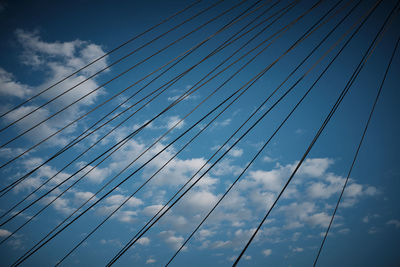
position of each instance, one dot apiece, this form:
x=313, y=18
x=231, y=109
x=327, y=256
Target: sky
x=45, y=41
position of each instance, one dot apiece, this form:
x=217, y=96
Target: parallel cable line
x=75, y=142
x=115, y=62
x=327, y=119
x=141, y=232
x=119, y=75
x=69, y=124
x=28, y=255
x=221, y=147
x=120, y=143
x=277, y=129
x=127, y=199
x=95, y=195
x=147, y=149
x=103, y=56
x=357, y=151
x=62, y=150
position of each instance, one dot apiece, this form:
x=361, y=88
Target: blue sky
x=44, y=42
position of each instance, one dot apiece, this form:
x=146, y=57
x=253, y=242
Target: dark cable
x=29, y=195
x=329, y=116
x=137, y=236
x=101, y=57
x=120, y=143
x=9, y=187
x=127, y=199
x=107, y=67
x=119, y=75
x=356, y=154
x=122, y=182
x=276, y=131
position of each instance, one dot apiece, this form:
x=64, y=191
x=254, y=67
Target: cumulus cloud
x=152, y=210
x=9, y=86
x=56, y=60
x=150, y=261
x=117, y=199
x=236, y=152
x=144, y=241
x=4, y=233
x=169, y=237
x=267, y=252
x=268, y=159
x=298, y=249
x=199, y=200
x=172, y=121
x=205, y=233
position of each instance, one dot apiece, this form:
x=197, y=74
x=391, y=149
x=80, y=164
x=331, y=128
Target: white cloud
x=61, y=204
x=96, y=175
x=222, y=244
x=144, y=241
x=344, y=231
x=150, y=261
x=267, y=252
x=225, y=167
x=270, y=180
x=268, y=159
x=9, y=86
x=353, y=190
x=326, y=187
x=315, y=167
x=199, y=201
x=319, y=219
x=236, y=152
x=204, y=233
x=4, y=233
x=171, y=239
x=297, y=249
x=117, y=199
x=232, y=258
x=56, y=60
x=81, y=197
x=223, y=123
x=152, y=210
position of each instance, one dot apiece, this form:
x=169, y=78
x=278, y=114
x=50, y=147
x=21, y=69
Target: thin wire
x=178, y=77
x=32, y=217
x=170, y=144
x=329, y=116
x=357, y=151
x=29, y=195
x=278, y=128
x=101, y=57
x=151, y=177
x=122, y=142
x=107, y=67
x=47, y=138
x=21, y=260
x=137, y=236
x=121, y=74
x=104, y=187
